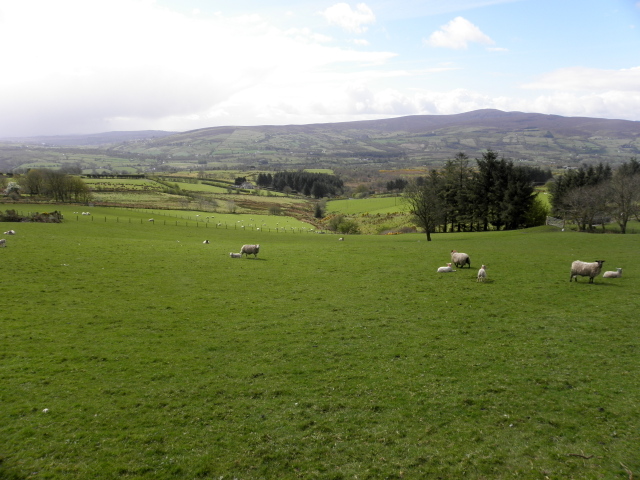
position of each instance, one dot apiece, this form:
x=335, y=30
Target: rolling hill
x=403, y=142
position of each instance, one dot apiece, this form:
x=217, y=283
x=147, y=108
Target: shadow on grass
x=8, y=473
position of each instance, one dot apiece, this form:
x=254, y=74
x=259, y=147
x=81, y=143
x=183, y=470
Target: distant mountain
x=413, y=140
x=95, y=139
x=387, y=144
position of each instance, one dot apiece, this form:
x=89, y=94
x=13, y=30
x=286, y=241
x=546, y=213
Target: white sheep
x=460, y=259
x=482, y=274
x=10, y=232
x=611, y=274
x=250, y=250
x=341, y=239
x=585, y=269
x=446, y=269
x=206, y=241
x=151, y=220
x=235, y=255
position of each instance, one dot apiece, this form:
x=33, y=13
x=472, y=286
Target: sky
x=91, y=66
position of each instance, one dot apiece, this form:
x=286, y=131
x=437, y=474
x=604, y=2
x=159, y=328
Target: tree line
x=496, y=194
x=316, y=185
x=56, y=185
x=597, y=194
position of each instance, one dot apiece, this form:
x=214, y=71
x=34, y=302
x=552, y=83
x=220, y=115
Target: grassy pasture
x=160, y=357
x=352, y=206
x=121, y=183
x=205, y=222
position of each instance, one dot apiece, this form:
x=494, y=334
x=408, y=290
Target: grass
x=160, y=357
x=372, y=206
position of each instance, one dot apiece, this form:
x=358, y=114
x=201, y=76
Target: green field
x=353, y=206
x=157, y=356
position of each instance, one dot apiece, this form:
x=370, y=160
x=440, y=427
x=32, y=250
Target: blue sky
x=87, y=66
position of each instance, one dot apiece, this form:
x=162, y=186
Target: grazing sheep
x=585, y=269
x=610, y=274
x=3, y=243
x=235, y=255
x=250, y=250
x=446, y=269
x=10, y=232
x=341, y=239
x=151, y=220
x=460, y=259
x=206, y=241
x=482, y=274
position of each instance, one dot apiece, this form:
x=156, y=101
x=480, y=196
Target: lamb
x=206, y=241
x=3, y=243
x=446, y=269
x=585, y=269
x=460, y=259
x=250, y=250
x=482, y=274
x=235, y=255
x=10, y=232
x=611, y=274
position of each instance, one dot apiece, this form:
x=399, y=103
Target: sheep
x=3, y=243
x=611, y=274
x=235, y=255
x=585, y=269
x=206, y=241
x=482, y=274
x=341, y=239
x=151, y=220
x=460, y=259
x=249, y=250
x=10, y=232
x=446, y=269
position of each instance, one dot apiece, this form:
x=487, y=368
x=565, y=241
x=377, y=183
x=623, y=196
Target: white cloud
x=79, y=66
x=75, y=66
x=589, y=79
x=457, y=34
x=307, y=35
x=342, y=15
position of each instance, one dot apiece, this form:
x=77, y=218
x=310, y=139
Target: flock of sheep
x=246, y=250
x=578, y=268
x=459, y=259
x=3, y=241
x=591, y=270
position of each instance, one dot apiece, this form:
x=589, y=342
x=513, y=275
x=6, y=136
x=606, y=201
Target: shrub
x=348, y=227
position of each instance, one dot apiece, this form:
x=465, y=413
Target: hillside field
x=157, y=356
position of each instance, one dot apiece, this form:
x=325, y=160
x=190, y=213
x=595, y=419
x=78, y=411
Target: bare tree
x=584, y=204
x=624, y=197
x=424, y=203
